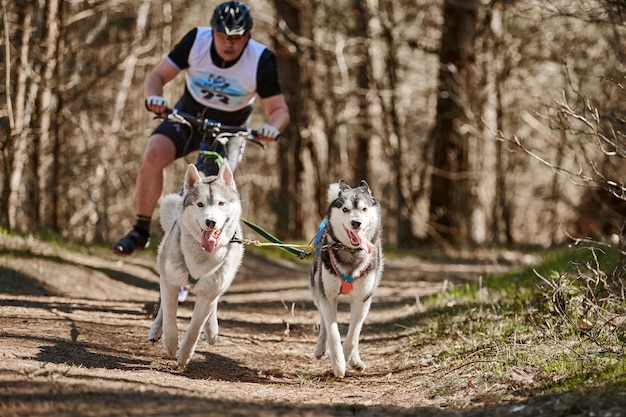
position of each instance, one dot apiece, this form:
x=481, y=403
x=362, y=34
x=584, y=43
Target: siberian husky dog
x=197, y=250
x=348, y=260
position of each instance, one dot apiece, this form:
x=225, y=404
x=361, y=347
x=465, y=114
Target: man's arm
x=156, y=80
x=277, y=112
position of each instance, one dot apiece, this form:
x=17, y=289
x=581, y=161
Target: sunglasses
x=235, y=38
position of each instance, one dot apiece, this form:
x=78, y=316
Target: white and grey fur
x=353, y=238
x=199, y=226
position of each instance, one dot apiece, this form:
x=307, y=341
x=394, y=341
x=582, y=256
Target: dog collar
x=321, y=231
x=346, y=281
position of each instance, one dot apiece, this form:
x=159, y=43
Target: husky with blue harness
x=348, y=260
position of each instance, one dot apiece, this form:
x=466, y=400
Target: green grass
x=553, y=326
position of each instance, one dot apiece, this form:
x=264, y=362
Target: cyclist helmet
x=232, y=18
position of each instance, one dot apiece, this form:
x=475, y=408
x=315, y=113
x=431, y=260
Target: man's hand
x=156, y=104
x=268, y=132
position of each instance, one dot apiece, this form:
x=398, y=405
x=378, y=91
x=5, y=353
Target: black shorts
x=185, y=143
x=179, y=134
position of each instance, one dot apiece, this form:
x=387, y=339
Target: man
x=225, y=70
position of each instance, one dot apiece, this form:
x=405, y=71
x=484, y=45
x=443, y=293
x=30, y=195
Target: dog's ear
x=365, y=186
x=333, y=192
x=227, y=175
x=192, y=177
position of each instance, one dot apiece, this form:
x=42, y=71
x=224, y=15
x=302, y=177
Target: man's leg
x=159, y=153
x=234, y=152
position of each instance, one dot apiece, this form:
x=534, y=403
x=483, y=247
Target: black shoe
x=133, y=240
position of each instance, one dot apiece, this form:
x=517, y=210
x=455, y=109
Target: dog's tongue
x=209, y=239
x=358, y=238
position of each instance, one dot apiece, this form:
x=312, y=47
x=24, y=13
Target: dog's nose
x=210, y=223
x=355, y=224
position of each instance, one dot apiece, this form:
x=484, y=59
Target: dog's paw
x=211, y=333
x=357, y=364
x=211, y=330
x=354, y=360
x=338, y=365
x=170, y=346
x=320, y=349
x=211, y=339
x=154, y=334
x=339, y=371
x=182, y=360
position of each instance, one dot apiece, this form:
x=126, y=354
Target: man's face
x=230, y=47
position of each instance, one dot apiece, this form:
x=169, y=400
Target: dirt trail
x=73, y=341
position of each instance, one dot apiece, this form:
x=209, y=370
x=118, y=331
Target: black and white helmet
x=232, y=18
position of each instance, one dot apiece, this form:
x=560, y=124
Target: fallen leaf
x=584, y=324
x=525, y=376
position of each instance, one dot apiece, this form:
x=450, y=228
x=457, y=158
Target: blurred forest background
x=476, y=123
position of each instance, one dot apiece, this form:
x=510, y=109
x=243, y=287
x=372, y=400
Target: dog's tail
x=171, y=206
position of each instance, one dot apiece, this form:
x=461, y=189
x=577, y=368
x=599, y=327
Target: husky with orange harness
x=348, y=260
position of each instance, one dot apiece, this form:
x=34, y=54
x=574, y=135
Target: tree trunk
x=296, y=208
x=485, y=151
x=363, y=130
x=285, y=205
x=383, y=112
x=47, y=178
x=451, y=200
x=24, y=103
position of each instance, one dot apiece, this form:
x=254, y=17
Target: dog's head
x=353, y=215
x=210, y=205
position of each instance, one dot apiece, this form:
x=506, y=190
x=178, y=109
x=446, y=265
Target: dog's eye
x=364, y=209
x=345, y=209
x=200, y=204
x=221, y=203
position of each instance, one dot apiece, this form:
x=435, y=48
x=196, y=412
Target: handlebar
x=209, y=125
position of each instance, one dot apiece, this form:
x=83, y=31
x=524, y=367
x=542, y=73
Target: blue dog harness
x=318, y=237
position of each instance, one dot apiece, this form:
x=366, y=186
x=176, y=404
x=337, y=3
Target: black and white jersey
x=223, y=91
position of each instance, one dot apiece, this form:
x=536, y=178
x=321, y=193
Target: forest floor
x=73, y=342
